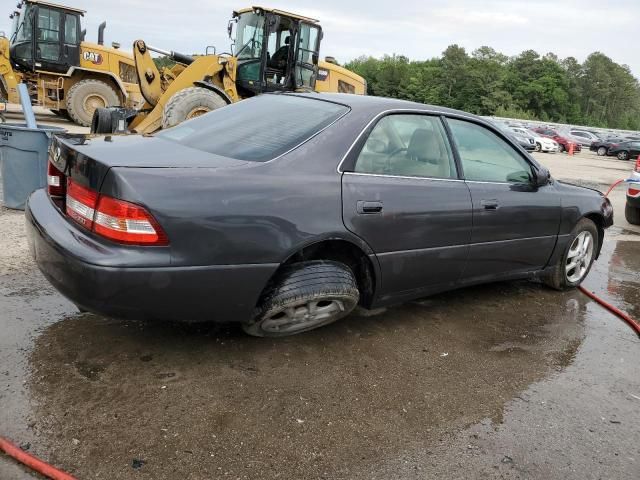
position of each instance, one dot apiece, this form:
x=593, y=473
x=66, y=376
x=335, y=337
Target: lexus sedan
x=286, y=211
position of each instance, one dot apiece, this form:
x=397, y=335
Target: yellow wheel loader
x=46, y=50
x=274, y=51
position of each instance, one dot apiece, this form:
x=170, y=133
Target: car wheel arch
x=357, y=257
x=598, y=219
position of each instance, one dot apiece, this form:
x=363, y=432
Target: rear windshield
x=258, y=129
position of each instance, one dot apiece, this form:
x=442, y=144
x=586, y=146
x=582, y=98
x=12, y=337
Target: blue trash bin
x=23, y=160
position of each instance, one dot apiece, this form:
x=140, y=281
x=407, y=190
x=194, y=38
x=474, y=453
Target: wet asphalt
x=508, y=380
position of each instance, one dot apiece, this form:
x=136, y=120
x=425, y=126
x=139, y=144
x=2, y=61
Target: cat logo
x=93, y=57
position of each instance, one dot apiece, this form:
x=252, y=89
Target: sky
x=416, y=29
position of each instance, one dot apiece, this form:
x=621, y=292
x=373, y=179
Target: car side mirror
x=542, y=177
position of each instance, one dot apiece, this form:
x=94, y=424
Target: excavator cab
x=45, y=37
x=275, y=50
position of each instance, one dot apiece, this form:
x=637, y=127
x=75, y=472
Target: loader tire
x=190, y=103
x=87, y=95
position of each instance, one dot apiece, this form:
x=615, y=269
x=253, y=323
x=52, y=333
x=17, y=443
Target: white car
x=543, y=144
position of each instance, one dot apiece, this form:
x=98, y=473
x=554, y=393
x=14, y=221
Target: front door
x=402, y=195
x=306, y=55
x=514, y=223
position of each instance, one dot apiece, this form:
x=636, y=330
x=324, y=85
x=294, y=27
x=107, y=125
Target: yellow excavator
x=274, y=51
x=46, y=50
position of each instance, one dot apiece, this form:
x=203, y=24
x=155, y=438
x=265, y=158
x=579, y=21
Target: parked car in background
x=285, y=211
x=563, y=142
x=601, y=147
x=525, y=140
x=583, y=137
x=632, y=208
x=624, y=150
x=542, y=144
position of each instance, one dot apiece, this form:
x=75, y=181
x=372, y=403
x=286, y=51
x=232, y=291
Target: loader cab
x=275, y=50
x=46, y=37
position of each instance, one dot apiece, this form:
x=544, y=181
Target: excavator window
x=48, y=45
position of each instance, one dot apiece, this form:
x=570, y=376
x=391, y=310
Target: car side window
x=407, y=145
x=486, y=157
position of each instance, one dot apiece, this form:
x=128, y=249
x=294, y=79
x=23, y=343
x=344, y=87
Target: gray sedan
x=285, y=211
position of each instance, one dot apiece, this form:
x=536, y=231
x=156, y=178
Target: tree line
x=530, y=86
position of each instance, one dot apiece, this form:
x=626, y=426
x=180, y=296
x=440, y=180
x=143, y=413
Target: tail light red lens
x=633, y=192
x=117, y=220
x=126, y=222
x=56, y=181
x=81, y=203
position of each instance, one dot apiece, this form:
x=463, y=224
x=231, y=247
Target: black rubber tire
x=560, y=148
x=623, y=155
x=602, y=151
x=538, y=147
x=632, y=214
x=79, y=93
x=185, y=102
x=299, y=283
x=557, y=279
x=101, y=122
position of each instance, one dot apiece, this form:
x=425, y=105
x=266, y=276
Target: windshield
x=24, y=30
x=249, y=35
x=259, y=129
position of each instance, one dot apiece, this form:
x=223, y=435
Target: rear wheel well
x=344, y=252
x=599, y=221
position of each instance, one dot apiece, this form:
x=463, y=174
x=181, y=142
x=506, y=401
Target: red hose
x=32, y=462
x=635, y=325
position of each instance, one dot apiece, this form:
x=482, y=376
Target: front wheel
x=538, y=147
x=305, y=296
x=190, y=103
x=602, y=151
x=560, y=148
x=577, y=258
x=623, y=155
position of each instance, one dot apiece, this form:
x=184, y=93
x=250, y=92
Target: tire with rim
x=576, y=261
x=538, y=147
x=560, y=148
x=304, y=296
x=632, y=214
x=190, y=103
x=602, y=151
x=88, y=95
x=623, y=155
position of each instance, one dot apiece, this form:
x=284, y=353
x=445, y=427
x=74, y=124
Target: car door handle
x=366, y=207
x=490, y=204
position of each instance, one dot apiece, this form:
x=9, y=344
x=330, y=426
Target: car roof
x=371, y=103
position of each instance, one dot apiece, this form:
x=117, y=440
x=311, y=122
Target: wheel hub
x=579, y=257
x=303, y=316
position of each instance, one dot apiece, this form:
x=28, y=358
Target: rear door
x=515, y=223
x=402, y=195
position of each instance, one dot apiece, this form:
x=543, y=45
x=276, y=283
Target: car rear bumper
x=72, y=261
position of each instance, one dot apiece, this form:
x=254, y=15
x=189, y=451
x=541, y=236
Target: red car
x=563, y=142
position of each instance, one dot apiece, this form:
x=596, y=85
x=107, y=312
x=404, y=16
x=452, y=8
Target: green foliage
x=163, y=61
x=598, y=92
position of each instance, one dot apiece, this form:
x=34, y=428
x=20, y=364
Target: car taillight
x=81, y=203
x=633, y=192
x=56, y=181
x=126, y=222
x=117, y=220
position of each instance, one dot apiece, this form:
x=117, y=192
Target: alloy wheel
x=304, y=316
x=579, y=257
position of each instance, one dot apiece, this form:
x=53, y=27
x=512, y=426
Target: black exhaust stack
x=101, y=28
